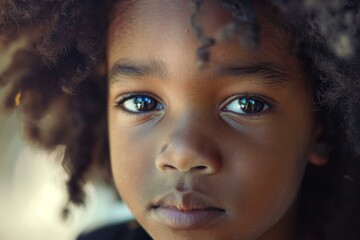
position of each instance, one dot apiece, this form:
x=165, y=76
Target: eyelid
x=272, y=104
x=125, y=96
x=129, y=95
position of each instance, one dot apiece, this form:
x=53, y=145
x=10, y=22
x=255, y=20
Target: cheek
x=131, y=161
x=265, y=168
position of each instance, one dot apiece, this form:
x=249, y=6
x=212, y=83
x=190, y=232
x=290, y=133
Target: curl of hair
x=60, y=75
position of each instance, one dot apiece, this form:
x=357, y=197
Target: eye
x=247, y=105
x=139, y=104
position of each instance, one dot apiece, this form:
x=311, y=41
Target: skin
x=250, y=165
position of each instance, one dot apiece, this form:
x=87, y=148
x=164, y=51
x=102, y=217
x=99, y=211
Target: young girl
x=222, y=119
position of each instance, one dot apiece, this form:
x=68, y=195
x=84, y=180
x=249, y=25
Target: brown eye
x=247, y=106
x=139, y=104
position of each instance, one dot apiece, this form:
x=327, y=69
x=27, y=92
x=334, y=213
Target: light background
x=32, y=192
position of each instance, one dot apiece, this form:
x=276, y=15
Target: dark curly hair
x=53, y=69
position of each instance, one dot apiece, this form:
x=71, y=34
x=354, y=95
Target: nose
x=188, y=149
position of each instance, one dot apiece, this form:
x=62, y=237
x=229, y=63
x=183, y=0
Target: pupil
x=144, y=103
x=251, y=105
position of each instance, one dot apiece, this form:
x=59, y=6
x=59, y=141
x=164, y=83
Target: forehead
x=163, y=13
x=146, y=27
x=161, y=20
x=159, y=14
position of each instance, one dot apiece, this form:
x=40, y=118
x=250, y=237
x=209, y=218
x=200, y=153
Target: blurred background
x=32, y=192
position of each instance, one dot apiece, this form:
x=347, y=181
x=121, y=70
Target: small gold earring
x=18, y=99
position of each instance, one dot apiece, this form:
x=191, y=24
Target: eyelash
x=119, y=104
x=244, y=101
x=250, y=98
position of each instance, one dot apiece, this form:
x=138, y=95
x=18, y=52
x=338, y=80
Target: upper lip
x=185, y=201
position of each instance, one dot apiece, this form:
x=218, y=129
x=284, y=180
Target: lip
x=186, y=211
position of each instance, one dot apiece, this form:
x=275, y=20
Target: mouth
x=186, y=211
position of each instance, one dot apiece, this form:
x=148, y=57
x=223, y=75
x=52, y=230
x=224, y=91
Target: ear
x=320, y=149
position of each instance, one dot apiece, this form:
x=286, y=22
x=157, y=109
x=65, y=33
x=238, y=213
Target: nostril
x=200, y=168
x=167, y=166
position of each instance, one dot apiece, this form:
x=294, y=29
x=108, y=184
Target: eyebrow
x=266, y=70
x=271, y=74
x=137, y=70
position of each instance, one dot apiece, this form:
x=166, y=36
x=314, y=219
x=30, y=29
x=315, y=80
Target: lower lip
x=187, y=220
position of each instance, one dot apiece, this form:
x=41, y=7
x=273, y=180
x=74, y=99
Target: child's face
x=205, y=153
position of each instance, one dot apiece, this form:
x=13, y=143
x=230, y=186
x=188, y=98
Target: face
x=214, y=152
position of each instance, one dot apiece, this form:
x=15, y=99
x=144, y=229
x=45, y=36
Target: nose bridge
x=189, y=146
